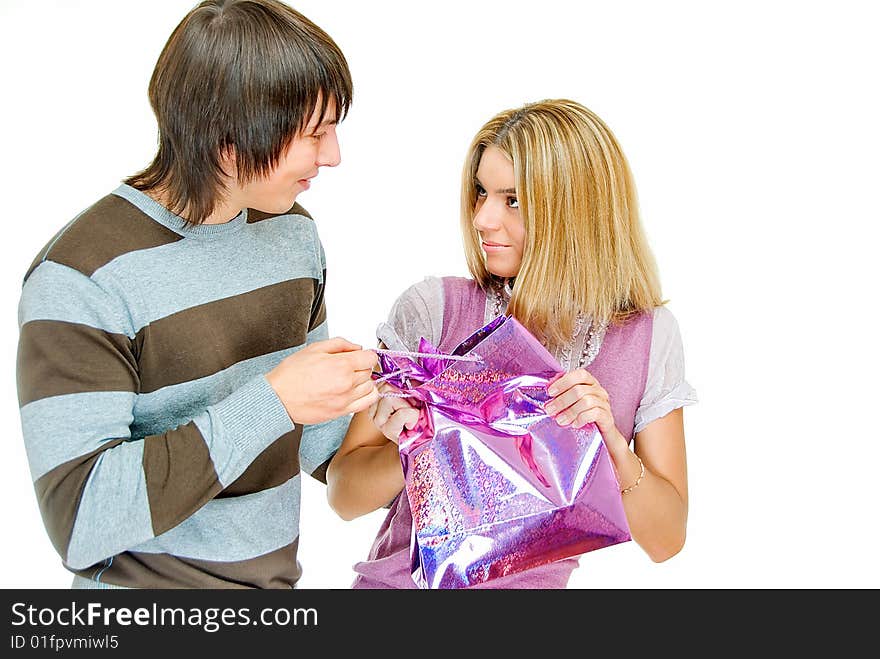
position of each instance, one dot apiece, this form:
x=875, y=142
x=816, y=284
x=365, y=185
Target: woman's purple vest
x=621, y=367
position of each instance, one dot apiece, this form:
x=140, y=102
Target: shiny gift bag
x=495, y=485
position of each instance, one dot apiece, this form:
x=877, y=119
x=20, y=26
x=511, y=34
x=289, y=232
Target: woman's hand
x=579, y=399
x=391, y=415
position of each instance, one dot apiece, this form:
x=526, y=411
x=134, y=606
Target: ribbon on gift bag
x=495, y=485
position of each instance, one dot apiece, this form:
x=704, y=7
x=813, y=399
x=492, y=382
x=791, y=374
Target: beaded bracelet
x=638, y=480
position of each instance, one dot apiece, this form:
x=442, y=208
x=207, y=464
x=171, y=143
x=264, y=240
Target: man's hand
x=325, y=380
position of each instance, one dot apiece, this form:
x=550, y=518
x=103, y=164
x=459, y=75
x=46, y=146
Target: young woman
x=552, y=237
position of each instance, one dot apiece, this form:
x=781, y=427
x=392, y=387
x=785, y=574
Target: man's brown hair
x=244, y=75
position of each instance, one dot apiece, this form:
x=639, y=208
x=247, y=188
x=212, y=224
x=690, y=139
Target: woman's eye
x=480, y=191
x=513, y=202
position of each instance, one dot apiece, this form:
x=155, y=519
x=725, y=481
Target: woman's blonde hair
x=585, y=249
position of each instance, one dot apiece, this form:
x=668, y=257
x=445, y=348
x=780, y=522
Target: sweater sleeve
x=320, y=441
x=101, y=490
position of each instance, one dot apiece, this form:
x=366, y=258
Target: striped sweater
x=160, y=455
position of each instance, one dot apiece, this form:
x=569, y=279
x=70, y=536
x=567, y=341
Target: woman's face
x=496, y=214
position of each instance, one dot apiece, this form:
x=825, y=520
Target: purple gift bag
x=495, y=485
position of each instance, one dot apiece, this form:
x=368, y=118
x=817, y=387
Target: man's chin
x=277, y=208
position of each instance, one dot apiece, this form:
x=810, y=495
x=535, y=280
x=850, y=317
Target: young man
x=174, y=371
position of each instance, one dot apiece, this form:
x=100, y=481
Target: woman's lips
x=493, y=247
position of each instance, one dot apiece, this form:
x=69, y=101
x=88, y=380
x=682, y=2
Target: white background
x=752, y=132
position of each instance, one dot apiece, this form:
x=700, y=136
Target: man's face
x=315, y=147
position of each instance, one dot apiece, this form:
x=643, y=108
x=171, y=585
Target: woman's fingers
x=584, y=405
x=402, y=418
x=568, y=380
x=571, y=396
x=386, y=407
x=595, y=415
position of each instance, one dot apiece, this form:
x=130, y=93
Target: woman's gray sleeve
x=416, y=314
x=666, y=388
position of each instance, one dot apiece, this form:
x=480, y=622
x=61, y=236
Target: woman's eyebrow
x=501, y=191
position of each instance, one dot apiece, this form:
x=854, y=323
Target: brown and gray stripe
x=276, y=569
x=180, y=476
x=203, y=340
x=59, y=492
x=56, y=358
x=110, y=228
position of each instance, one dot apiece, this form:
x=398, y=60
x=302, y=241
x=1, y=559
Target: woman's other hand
x=579, y=399
x=392, y=414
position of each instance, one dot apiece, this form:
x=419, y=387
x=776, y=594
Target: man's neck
x=224, y=211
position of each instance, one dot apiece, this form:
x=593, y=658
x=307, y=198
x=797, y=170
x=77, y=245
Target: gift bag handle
x=406, y=353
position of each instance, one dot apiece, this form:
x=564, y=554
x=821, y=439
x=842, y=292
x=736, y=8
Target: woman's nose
x=487, y=217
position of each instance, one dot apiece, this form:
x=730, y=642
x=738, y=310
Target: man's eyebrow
x=324, y=124
x=502, y=191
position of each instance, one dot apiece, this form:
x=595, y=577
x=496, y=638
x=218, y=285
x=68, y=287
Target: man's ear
x=229, y=161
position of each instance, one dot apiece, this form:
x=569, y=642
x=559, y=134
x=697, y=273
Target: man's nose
x=328, y=151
